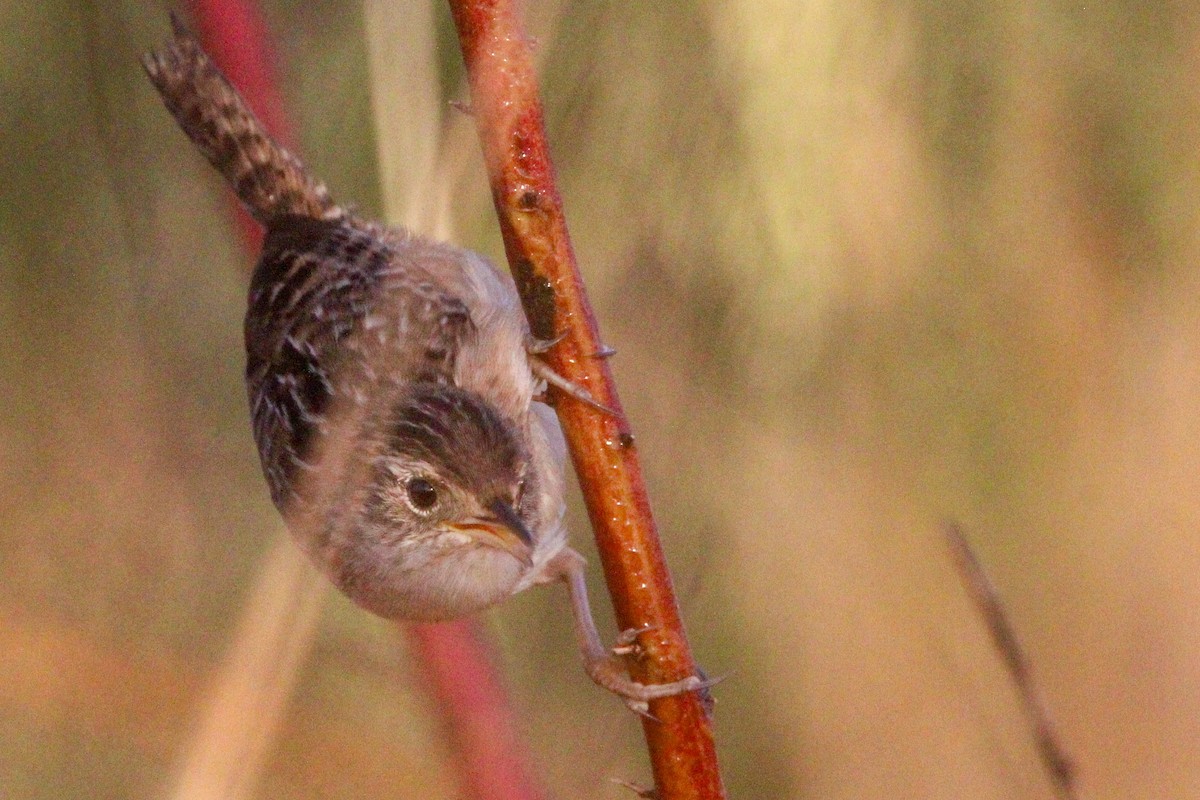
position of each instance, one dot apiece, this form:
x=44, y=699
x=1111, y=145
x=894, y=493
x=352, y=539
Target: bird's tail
x=268, y=179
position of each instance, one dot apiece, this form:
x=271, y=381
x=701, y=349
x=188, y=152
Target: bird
x=394, y=388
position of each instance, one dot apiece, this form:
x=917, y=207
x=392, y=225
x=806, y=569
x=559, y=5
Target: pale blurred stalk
x=250, y=693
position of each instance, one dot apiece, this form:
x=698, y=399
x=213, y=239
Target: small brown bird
x=391, y=385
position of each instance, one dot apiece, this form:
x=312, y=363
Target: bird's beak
x=502, y=528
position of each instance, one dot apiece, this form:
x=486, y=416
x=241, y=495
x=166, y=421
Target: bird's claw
x=639, y=707
x=627, y=644
x=536, y=347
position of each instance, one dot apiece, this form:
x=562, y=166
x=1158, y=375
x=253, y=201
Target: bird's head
x=448, y=523
x=454, y=473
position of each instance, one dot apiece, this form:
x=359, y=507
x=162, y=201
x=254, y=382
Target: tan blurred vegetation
x=868, y=266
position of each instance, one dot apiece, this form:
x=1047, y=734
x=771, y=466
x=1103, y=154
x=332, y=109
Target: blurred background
x=868, y=265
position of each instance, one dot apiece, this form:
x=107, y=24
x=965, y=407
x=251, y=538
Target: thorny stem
x=508, y=114
x=1058, y=765
x=455, y=660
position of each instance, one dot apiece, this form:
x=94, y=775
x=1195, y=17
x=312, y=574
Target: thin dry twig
x=508, y=114
x=1058, y=765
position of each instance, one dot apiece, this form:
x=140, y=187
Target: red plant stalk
x=453, y=657
x=508, y=114
x=480, y=726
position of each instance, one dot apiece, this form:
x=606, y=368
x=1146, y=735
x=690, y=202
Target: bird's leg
x=535, y=348
x=543, y=371
x=606, y=667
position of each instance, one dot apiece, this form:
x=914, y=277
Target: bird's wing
x=336, y=315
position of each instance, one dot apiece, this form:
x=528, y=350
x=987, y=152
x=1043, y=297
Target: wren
x=392, y=384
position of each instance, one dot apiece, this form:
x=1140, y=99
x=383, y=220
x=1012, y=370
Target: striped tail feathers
x=266, y=177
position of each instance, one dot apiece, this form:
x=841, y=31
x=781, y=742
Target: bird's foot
x=608, y=671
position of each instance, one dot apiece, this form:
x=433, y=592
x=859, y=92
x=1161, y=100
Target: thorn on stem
x=640, y=790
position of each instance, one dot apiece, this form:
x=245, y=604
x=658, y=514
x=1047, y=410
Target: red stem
x=453, y=657
x=508, y=113
x=479, y=722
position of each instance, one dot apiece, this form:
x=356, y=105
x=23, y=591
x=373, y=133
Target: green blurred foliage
x=868, y=266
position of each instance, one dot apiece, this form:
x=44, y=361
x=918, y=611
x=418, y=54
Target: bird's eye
x=422, y=494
